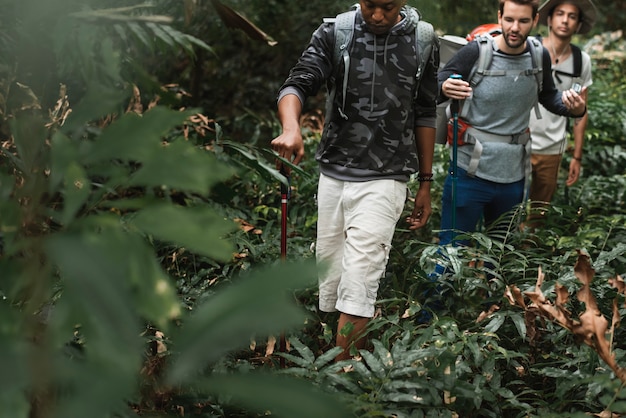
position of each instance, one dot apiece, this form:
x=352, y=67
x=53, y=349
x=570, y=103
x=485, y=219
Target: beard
x=515, y=40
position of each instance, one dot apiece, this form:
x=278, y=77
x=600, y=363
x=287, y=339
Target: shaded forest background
x=141, y=271
x=245, y=74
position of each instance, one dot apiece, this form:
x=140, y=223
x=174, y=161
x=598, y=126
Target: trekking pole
x=284, y=201
x=454, y=108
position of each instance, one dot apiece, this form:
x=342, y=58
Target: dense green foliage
x=140, y=270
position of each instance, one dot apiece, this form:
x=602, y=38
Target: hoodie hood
x=410, y=17
x=406, y=26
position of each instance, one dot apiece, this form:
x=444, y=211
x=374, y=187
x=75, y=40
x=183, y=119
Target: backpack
x=481, y=70
x=343, y=30
x=577, y=56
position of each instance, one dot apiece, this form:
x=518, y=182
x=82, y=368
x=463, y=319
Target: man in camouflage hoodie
x=374, y=139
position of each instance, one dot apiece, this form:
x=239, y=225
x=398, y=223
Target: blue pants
x=476, y=198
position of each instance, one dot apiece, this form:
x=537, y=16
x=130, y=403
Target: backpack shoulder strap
x=485, y=55
x=536, y=55
x=425, y=42
x=577, y=55
x=480, y=68
x=343, y=31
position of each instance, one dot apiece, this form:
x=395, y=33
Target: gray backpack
x=425, y=39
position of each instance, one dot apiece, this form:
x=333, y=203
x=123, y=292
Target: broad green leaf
x=62, y=154
x=375, y=364
x=154, y=292
x=257, y=304
x=407, y=384
x=495, y=323
x=99, y=101
x=14, y=355
x=13, y=401
x=399, y=397
x=96, y=268
x=619, y=407
x=260, y=164
x=276, y=395
x=327, y=357
x=303, y=350
x=520, y=324
x=134, y=137
x=161, y=34
x=9, y=223
x=342, y=381
x=140, y=33
x=383, y=354
x=111, y=65
x=29, y=135
x=97, y=384
x=199, y=229
x=302, y=362
x=76, y=191
x=181, y=166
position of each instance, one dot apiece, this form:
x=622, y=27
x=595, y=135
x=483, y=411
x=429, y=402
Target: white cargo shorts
x=355, y=226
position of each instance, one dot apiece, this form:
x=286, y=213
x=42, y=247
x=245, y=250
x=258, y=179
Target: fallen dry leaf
x=271, y=345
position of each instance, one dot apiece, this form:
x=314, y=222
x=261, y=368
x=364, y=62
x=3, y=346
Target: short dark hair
x=533, y=3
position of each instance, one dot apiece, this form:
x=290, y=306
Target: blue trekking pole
x=454, y=108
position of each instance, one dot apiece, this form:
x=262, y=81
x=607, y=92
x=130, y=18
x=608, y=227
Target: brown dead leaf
x=61, y=109
x=234, y=19
x=545, y=307
x=407, y=313
x=607, y=414
x=160, y=345
x=562, y=296
x=247, y=227
x=530, y=316
x=515, y=297
x=271, y=346
x=240, y=256
x=134, y=104
x=618, y=283
x=616, y=320
x=486, y=314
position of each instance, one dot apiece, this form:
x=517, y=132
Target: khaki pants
x=545, y=172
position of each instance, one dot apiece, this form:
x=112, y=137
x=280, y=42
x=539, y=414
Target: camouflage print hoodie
x=373, y=136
